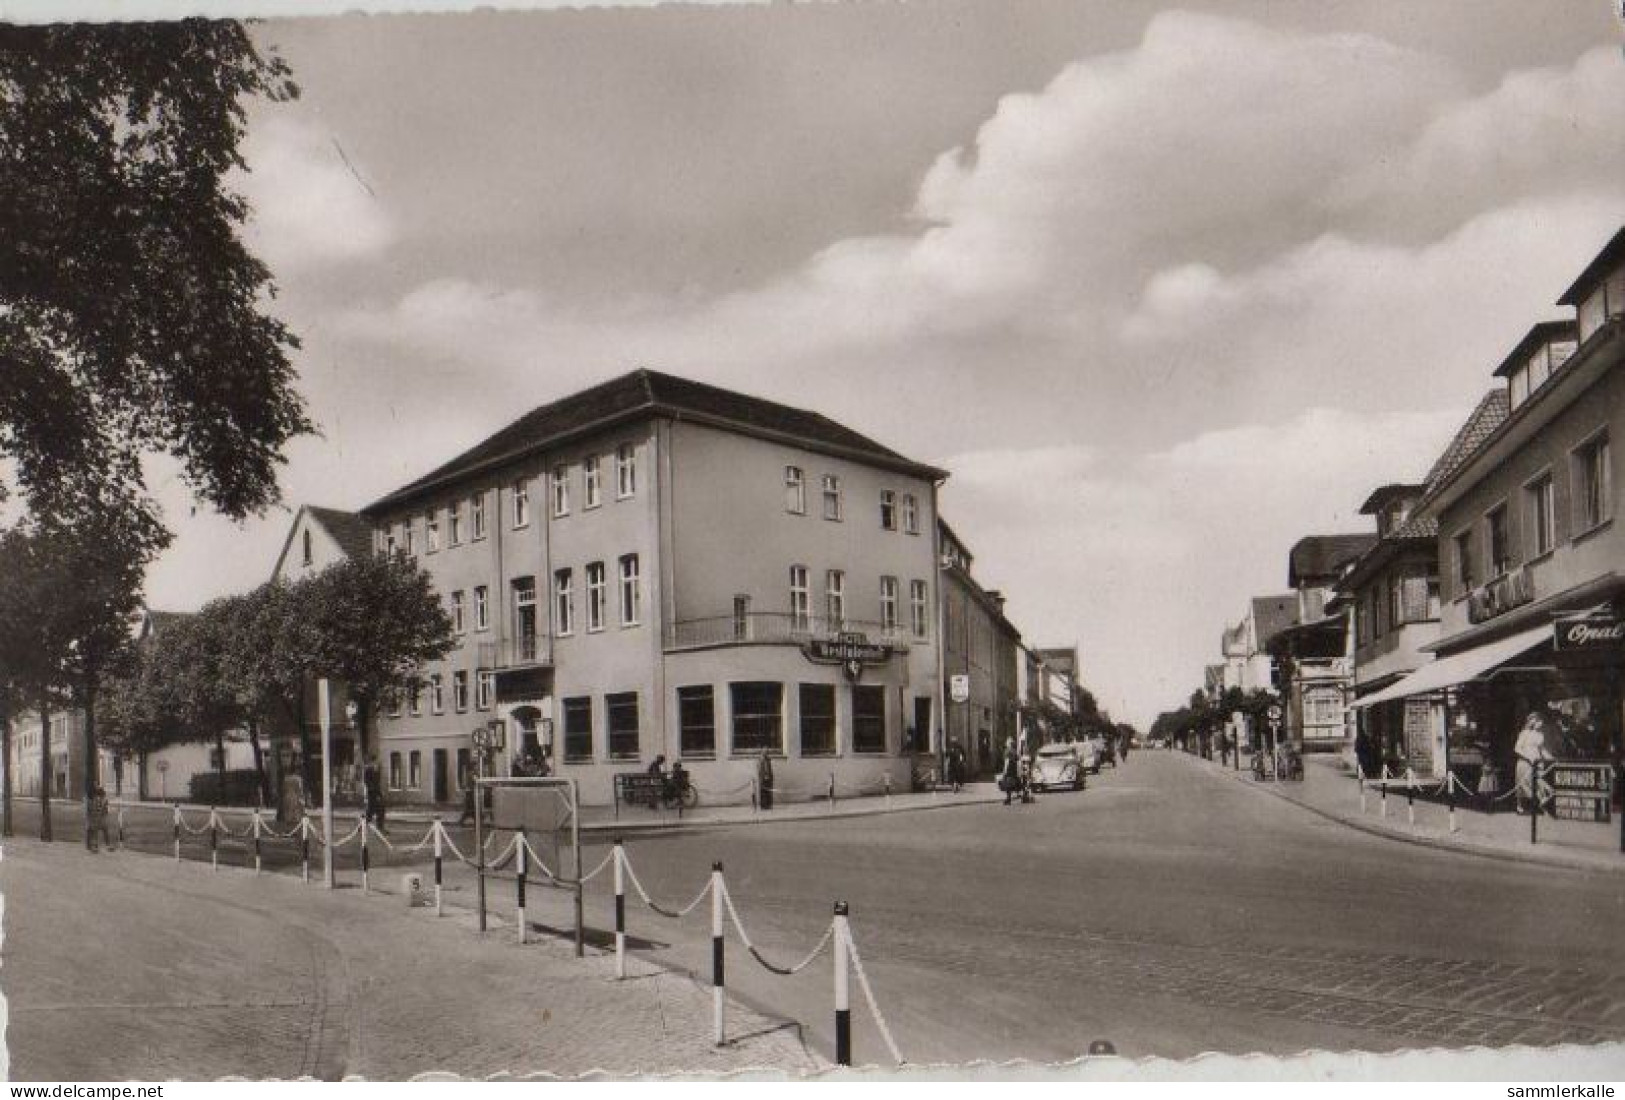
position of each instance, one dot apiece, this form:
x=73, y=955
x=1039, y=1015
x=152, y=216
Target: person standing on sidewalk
x=764, y=781
x=373, y=795
x=96, y=827
x=1010, y=773
x=1531, y=751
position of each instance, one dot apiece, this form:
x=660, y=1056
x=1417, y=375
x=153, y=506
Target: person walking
x=1010, y=773
x=764, y=781
x=96, y=825
x=1531, y=752
x=372, y=794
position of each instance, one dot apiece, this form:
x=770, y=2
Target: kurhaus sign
x=1500, y=595
x=851, y=650
x=1598, y=630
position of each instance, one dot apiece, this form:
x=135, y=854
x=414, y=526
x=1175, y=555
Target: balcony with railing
x=525, y=651
x=779, y=628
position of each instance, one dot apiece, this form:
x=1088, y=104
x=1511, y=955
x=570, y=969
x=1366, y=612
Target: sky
x=1164, y=287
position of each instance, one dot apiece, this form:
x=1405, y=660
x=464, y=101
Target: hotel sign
x=851, y=650
x=1501, y=595
x=1598, y=630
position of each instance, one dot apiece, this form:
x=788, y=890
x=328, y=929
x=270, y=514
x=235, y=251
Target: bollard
x=620, y=910
x=1534, y=801
x=304, y=848
x=887, y=778
x=177, y=832
x=121, y=826
x=832, y=790
x=366, y=864
x=1384, y=789
x=1359, y=781
x=520, y=854
x=843, y=1005
x=1410, y=801
x=755, y=796
x=439, y=872
x=214, y=840
x=1450, y=796
x=256, y=842
x=716, y=951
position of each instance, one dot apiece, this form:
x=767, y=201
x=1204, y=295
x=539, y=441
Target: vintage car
x=1058, y=766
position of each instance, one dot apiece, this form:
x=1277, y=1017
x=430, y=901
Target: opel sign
x=1598, y=630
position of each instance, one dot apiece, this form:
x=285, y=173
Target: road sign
x=1581, y=791
x=1274, y=712
x=161, y=765
x=959, y=688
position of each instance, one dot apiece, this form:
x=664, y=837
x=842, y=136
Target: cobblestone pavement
x=119, y=966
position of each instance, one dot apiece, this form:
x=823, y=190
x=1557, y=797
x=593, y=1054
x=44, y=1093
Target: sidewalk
x=285, y=980
x=1332, y=793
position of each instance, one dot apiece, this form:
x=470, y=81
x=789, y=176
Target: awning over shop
x=1460, y=667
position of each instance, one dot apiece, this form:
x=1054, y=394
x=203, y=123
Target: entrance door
x=922, y=723
x=442, y=792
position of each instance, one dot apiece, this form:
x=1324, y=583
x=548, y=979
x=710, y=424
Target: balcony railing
x=778, y=628
x=526, y=651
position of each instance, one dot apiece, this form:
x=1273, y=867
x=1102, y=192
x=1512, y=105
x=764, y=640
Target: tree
x=373, y=622
x=130, y=311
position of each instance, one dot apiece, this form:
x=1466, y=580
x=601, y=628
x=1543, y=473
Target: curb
x=767, y=818
x=1439, y=843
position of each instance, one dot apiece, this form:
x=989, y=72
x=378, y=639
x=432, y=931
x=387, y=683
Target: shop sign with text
x=1596, y=631
x=1501, y=595
x=852, y=651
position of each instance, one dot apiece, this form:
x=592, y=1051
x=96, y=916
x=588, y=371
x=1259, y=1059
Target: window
x=437, y=694
x=485, y=684
x=758, y=713
x=524, y=616
x=521, y=503
x=578, y=729
x=911, y=514
x=800, y=605
x=595, y=596
x=415, y=780
x=817, y=719
x=1464, y=563
x=431, y=531
x=626, y=471
x=1365, y=618
x=477, y=513
x=454, y=523
x=868, y=718
x=835, y=598
x=465, y=769
x=564, y=602
x=561, y=490
x=591, y=486
x=1497, y=548
x=888, y=510
x=389, y=543
x=697, y=721
x=832, y=497
x=409, y=539
x=395, y=772
x=1518, y=387
x=888, y=603
x=459, y=691
x=458, y=622
x=1593, y=484
x=1322, y=708
x=916, y=607
x=395, y=704
x=622, y=711
x=631, y=590
x=795, y=491
x=1541, y=509
x=482, y=608
x=1396, y=600
x=414, y=697
x=308, y=555
x=741, y=618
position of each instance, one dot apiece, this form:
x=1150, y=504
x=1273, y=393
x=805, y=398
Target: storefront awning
x=1460, y=667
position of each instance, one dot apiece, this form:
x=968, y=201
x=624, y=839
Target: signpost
x=959, y=687
x=1274, y=715
x=1581, y=791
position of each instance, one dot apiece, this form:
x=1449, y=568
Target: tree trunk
x=220, y=764
x=92, y=771
x=363, y=719
x=141, y=776
x=45, y=768
x=259, y=765
x=5, y=778
x=307, y=766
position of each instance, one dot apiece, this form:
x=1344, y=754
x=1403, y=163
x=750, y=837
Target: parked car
x=1103, y=753
x=1057, y=766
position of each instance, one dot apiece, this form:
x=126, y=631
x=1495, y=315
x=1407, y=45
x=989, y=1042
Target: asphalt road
x=1165, y=909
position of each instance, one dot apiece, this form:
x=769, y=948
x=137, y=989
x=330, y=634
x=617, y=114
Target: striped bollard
x=366, y=862
x=439, y=866
x=887, y=778
x=716, y=951
x=520, y=853
x=832, y=790
x=1410, y=800
x=1534, y=802
x=1384, y=790
x=843, y=1004
x=1359, y=781
x=620, y=910
x=256, y=842
x=304, y=847
x=1450, y=796
x=177, y=833
x=121, y=826
x=214, y=840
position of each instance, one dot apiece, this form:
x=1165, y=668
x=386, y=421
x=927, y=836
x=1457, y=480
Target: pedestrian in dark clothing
x=96, y=826
x=373, y=794
x=467, y=816
x=764, y=781
x=1010, y=777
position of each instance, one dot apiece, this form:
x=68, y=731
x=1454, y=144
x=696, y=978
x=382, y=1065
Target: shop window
x=621, y=711
x=817, y=719
x=578, y=730
x=697, y=721
x=758, y=716
x=868, y=718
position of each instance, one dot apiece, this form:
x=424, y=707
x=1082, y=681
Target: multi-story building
x=1533, y=608
x=1314, y=657
x=659, y=567
x=979, y=659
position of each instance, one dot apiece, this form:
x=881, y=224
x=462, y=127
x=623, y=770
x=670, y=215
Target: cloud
x=311, y=207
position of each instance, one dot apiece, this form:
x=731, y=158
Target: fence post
x=843, y=1004
x=256, y=842
x=1534, y=800
x=832, y=790
x=1410, y=799
x=214, y=839
x=439, y=866
x=618, y=855
x=177, y=832
x=1384, y=789
x=716, y=952
x=1450, y=796
x=520, y=854
x=887, y=778
x=121, y=826
x=304, y=847
x=365, y=862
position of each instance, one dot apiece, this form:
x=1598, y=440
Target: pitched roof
x=1324, y=555
x=1545, y=332
x=1382, y=494
x=349, y=529
x=1611, y=253
x=1489, y=415
x=644, y=393
x=154, y=622
x=1273, y=614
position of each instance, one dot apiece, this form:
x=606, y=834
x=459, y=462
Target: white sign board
x=959, y=688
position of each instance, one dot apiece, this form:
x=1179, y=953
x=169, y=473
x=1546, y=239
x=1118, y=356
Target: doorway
x=442, y=792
